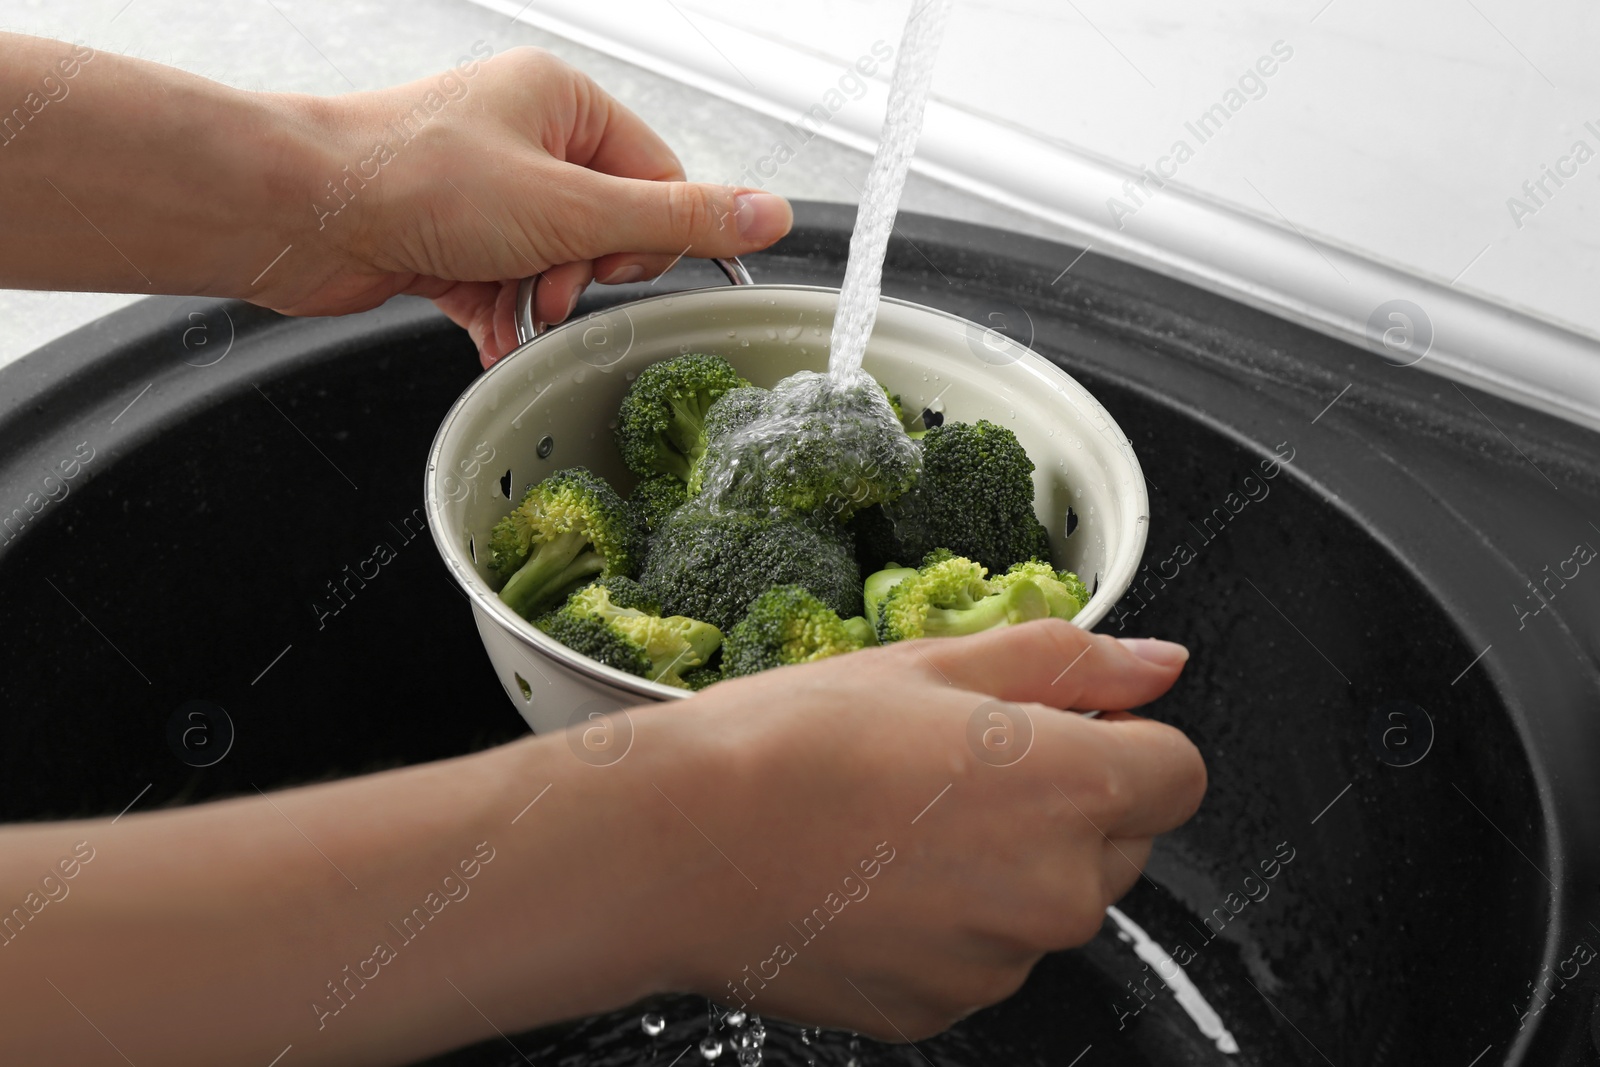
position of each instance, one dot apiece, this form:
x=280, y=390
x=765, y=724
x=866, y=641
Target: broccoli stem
x=677, y=466
x=878, y=585
x=553, y=566
x=1022, y=601
x=860, y=629
x=686, y=432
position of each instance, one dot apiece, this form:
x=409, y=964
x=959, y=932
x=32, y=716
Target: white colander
x=552, y=403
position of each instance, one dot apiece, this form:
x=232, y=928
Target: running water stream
x=902, y=124
x=842, y=420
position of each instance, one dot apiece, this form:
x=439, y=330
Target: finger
x=558, y=290
x=1054, y=662
x=610, y=215
x=471, y=305
x=1122, y=864
x=505, y=323
x=611, y=139
x=623, y=268
x=1147, y=777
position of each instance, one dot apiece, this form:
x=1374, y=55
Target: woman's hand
x=884, y=841
x=452, y=187
x=528, y=167
x=890, y=840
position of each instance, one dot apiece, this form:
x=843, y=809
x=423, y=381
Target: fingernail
x=623, y=275
x=761, y=217
x=572, y=305
x=1161, y=653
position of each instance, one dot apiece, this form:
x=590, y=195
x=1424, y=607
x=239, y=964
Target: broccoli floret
x=911, y=420
x=736, y=409
x=895, y=405
x=711, y=564
x=660, y=426
x=877, y=588
x=949, y=597
x=1063, y=591
x=788, y=625
x=975, y=497
x=702, y=677
x=568, y=528
x=861, y=630
x=821, y=446
x=655, y=498
x=615, y=622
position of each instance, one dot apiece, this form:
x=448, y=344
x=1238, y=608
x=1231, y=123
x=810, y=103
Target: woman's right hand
x=859, y=847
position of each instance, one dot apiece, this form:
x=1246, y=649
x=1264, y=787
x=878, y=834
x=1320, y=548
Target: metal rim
x=485, y=600
x=529, y=327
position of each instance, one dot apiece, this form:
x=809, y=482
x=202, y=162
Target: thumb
x=678, y=218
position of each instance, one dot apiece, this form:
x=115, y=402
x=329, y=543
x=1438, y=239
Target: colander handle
x=529, y=327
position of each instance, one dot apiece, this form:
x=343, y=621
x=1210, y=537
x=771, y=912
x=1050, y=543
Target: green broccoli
x=911, y=420
x=788, y=625
x=711, y=564
x=614, y=622
x=735, y=410
x=1063, y=591
x=974, y=497
x=702, y=677
x=568, y=528
x=860, y=629
x=661, y=424
x=948, y=597
x=820, y=446
x=877, y=588
x=656, y=497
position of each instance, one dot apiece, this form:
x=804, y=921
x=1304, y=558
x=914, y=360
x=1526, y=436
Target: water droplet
x=772, y=334
x=744, y=344
x=711, y=1046
x=652, y=1024
x=683, y=350
x=735, y=1018
x=790, y=333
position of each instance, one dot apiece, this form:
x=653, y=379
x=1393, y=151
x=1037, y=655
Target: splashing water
x=830, y=443
x=902, y=123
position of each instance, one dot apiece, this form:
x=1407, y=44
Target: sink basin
x=1410, y=757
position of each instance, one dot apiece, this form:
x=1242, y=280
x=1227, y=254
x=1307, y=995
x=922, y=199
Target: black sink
x=1395, y=723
